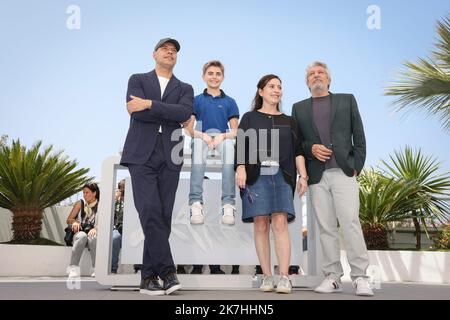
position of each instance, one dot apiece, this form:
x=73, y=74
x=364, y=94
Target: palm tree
x=383, y=200
x=31, y=181
x=431, y=187
x=426, y=84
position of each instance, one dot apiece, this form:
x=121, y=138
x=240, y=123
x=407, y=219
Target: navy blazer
x=169, y=112
x=347, y=135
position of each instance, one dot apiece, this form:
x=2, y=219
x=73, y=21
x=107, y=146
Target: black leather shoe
x=216, y=271
x=151, y=286
x=258, y=270
x=293, y=270
x=235, y=270
x=180, y=269
x=137, y=268
x=171, y=283
x=197, y=269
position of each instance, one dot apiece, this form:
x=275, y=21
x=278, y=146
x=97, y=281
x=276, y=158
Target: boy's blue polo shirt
x=213, y=113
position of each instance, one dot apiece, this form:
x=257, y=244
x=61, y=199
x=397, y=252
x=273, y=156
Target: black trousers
x=154, y=188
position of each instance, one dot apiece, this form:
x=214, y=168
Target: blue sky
x=67, y=87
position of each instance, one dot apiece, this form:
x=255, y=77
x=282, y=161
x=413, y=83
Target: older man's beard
x=318, y=87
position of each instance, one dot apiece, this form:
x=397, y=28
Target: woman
x=267, y=156
x=85, y=228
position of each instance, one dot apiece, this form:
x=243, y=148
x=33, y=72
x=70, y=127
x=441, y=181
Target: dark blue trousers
x=154, y=188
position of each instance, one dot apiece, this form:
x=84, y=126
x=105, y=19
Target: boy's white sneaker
x=228, y=213
x=329, y=286
x=196, y=213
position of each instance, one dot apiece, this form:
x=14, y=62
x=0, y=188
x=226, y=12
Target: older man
x=157, y=102
x=331, y=131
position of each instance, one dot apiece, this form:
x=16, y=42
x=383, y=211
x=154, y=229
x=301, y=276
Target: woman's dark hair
x=258, y=101
x=94, y=188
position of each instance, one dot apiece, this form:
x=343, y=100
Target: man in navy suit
x=158, y=104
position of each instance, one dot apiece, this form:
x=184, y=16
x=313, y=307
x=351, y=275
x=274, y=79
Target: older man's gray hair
x=317, y=64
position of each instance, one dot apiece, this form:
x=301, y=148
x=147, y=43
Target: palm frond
x=425, y=85
x=35, y=178
x=442, y=52
x=430, y=186
x=384, y=199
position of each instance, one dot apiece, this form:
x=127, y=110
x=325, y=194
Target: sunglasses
x=250, y=195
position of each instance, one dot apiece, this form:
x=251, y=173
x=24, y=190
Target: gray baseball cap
x=165, y=40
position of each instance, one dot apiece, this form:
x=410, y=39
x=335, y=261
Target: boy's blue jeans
x=199, y=153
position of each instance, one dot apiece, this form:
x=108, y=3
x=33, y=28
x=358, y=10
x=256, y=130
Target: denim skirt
x=269, y=194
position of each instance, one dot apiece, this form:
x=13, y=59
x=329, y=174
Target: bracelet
x=304, y=177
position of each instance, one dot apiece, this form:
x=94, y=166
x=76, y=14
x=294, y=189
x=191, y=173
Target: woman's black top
x=259, y=136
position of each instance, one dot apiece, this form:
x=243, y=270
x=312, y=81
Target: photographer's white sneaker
x=196, y=213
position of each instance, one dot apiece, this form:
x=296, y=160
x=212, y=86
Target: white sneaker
x=267, y=284
x=93, y=275
x=362, y=287
x=197, y=213
x=329, y=286
x=73, y=271
x=228, y=212
x=284, y=285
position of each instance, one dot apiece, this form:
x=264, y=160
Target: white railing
x=194, y=244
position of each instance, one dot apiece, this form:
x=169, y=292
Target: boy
x=213, y=111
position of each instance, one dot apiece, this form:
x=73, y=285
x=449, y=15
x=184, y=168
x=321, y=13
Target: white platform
x=211, y=243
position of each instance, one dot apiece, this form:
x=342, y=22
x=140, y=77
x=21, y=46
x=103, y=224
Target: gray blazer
x=347, y=135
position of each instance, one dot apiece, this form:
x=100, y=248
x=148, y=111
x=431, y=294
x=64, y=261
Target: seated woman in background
x=84, y=227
